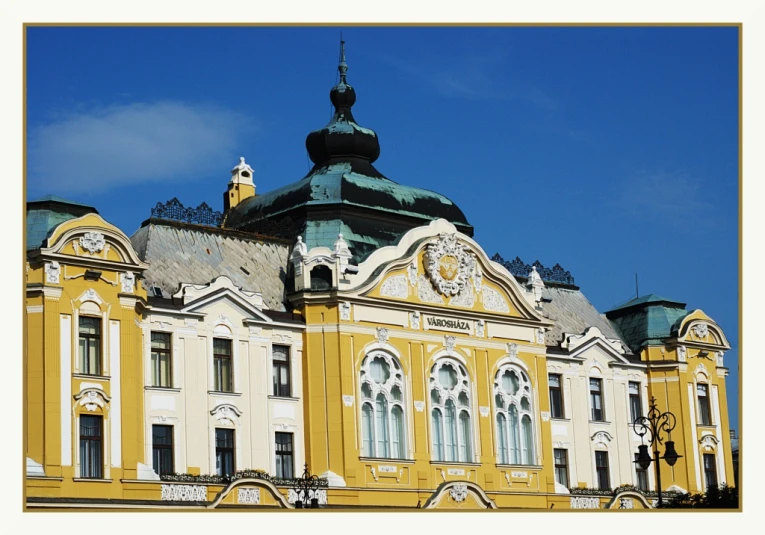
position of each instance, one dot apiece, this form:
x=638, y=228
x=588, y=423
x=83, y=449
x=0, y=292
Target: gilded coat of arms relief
x=449, y=264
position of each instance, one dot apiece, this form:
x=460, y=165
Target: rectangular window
x=642, y=476
x=222, y=365
x=561, y=467
x=90, y=345
x=281, y=372
x=636, y=404
x=601, y=467
x=91, y=447
x=224, y=452
x=704, y=412
x=162, y=449
x=161, y=360
x=284, y=459
x=556, y=396
x=710, y=471
x=596, y=400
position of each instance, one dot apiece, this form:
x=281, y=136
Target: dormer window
x=156, y=291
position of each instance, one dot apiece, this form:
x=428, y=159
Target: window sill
x=707, y=426
x=386, y=460
x=603, y=422
x=91, y=480
x=91, y=377
x=520, y=466
x=284, y=398
x=456, y=463
x=229, y=394
x=162, y=389
x=560, y=419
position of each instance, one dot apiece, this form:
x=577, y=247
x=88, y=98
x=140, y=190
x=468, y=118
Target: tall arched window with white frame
x=382, y=407
x=450, y=412
x=513, y=416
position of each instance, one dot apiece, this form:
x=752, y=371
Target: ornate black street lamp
x=652, y=425
x=306, y=488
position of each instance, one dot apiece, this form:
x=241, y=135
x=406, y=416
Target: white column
x=721, y=478
x=115, y=413
x=694, y=437
x=66, y=389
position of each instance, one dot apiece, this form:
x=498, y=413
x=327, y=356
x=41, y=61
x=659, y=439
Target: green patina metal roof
x=46, y=213
x=647, y=320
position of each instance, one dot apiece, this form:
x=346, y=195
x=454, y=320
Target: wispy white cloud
x=131, y=144
x=670, y=195
x=472, y=76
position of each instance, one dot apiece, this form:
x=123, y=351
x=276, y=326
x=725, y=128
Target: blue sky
x=608, y=150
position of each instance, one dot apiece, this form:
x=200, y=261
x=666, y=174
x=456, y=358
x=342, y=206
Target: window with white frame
x=382, y=407
x=636, y=403
x=512, y=400
x=705, y=414
x=450, y=412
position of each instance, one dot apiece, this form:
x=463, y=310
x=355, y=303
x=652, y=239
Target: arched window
x=382, y=407
x=512, y=400
x=450, y=412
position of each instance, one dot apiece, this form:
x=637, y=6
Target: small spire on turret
x=343, y=66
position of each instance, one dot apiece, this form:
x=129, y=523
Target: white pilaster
x=115, y=414
x=721, y=477
x=694, y=436
x=66, y=389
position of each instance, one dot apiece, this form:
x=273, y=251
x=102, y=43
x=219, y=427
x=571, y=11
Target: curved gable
x=91, y=238
x=436, y=265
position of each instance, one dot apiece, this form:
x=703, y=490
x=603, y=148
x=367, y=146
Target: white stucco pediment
x=592, y=345
x=697, y=328
x=224, y=302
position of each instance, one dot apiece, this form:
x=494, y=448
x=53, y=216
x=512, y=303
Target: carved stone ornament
x=480, y=326
x=320, y=494
x=92, y=242
x=345, y=311
x=449, y=342
x=720, y=361
x=449, y=264
x=52, y=272
x=512, y=349
x=708, y=442
x=626, y=503
x=681, y=354
x=382, y=335
x=419, y=406
x=426, y=293
x=477, y=278
x=248, y=495
x=414, y=320
x=484, y=411
x=700, y=330
x=464, y=298
x=395, y=286
x=540, y=336
x=412, y=271
x=128, y=282
x=347, y=400
x=493, y=300
x=601, y=437
x=583, y=502
x=545, y=416
x=184, y=493
x=255, y=331
x=458, y=492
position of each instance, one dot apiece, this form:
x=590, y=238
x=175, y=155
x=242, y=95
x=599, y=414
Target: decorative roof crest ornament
x=449, y=264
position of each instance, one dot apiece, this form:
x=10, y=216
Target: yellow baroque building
x=351, y=325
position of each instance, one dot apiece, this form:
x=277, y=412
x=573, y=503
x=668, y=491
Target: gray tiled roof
x=197, y=255
x=572, y=313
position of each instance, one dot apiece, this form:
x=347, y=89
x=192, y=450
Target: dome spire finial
x=343, y=66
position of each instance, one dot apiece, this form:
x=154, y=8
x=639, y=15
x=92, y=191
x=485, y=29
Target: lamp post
x=652, y=425
x=306, y=488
